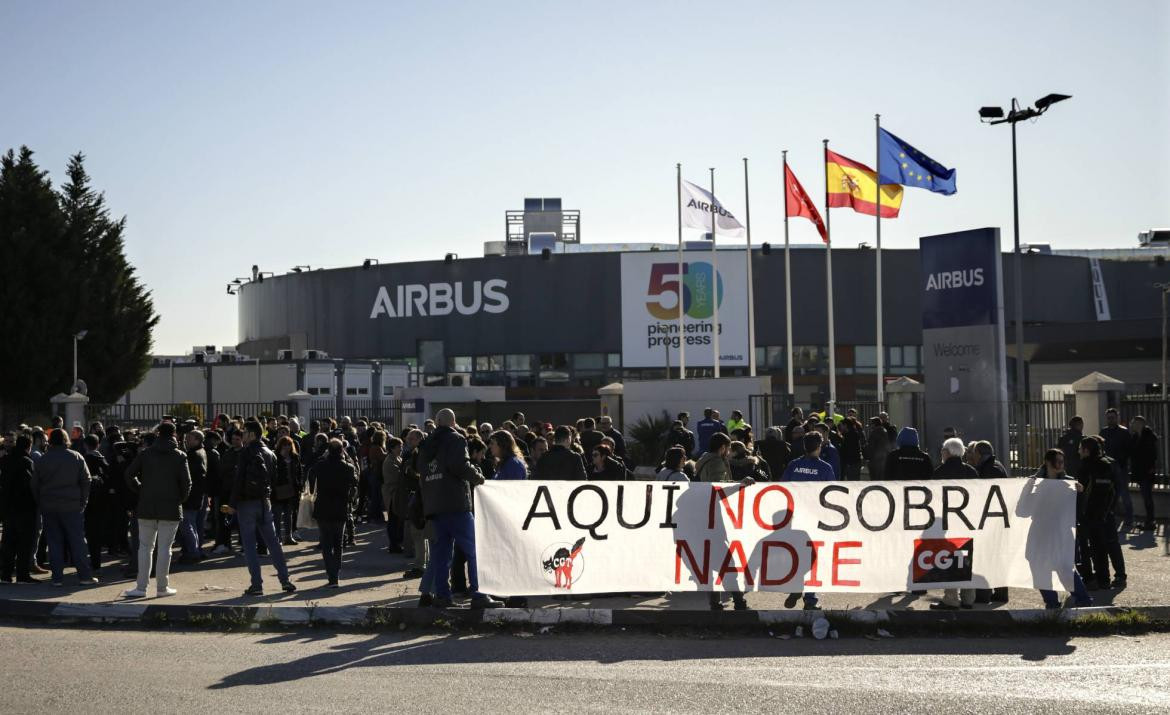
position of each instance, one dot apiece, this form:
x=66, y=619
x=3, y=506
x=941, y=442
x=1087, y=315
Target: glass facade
x=588, y=371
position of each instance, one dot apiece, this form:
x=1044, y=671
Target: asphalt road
x=86, y=670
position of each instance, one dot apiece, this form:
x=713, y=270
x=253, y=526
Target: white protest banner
x=550, y=537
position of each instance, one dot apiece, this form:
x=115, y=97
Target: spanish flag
x=854, y=185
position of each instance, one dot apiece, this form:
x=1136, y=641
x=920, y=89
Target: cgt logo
x=563, y=564
x=694, y=290
x=943, y=560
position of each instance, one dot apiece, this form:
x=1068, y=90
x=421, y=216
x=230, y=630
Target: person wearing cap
x=908, y=461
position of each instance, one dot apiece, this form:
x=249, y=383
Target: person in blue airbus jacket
x=809, y=468
x=828, y=452
x=704, y=428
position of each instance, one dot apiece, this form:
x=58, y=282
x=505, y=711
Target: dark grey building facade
x=552, y=326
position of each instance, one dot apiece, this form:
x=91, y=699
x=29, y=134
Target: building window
x=357, y=391
x=320, y=391
x=518, y=363
x=613, y=360
x=459, y=364
x=810, y=360
x=775, y=357
x=489, y=363
x=589, y=361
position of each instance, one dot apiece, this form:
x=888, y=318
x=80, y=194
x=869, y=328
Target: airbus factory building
x=562, y=322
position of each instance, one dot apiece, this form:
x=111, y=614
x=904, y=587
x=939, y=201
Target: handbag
x=307, y=510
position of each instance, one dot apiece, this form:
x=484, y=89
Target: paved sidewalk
x=373, y=578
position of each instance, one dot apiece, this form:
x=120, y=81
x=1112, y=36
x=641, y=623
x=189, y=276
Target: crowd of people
x=250, y=485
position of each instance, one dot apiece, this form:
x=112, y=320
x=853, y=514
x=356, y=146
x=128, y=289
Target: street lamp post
x=1165, y=288
x=77, y=337
x=995, y=115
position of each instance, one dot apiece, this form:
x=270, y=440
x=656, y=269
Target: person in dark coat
x=953, y=466
x=1143, y=460
x=680, y=436
x=228, y=462
x=852, y=448
x=619, y=441
x=162, y=478
x=446, y=491
x=908, y=461
x=561, y=462
x=18, y=509
x=97, y=509
x=1070, y=444
x=877, y=449
x=1099, y=486
x=250, y=502
x=604, y=467
x=590, y=435
x=212, y=447
x=189, y=534
x=335, y=479
x=989, y=467
x=775, y=451
x=1118, y=442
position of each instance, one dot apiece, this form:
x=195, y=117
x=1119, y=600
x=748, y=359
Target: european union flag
x=905, y=165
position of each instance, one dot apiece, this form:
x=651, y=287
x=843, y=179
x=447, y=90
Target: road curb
x=664, y=620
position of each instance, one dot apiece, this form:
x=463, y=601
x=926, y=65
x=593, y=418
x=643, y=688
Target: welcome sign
x=558, y=537
x=964, y=360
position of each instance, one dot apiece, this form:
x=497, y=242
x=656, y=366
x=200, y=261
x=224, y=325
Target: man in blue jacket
x=809, y=468
x=704, y=428
x=447, y=478
x=828, y=452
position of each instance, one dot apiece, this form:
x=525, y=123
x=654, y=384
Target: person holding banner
x=1053, y=468
x=809, y=468
x=714, y=466
x=446, y=491
x=953, y=467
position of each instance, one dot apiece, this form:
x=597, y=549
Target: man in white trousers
x=163, y=481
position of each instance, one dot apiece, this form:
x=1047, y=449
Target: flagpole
x=787, y=280
x=747, y=215
x=714, y=277
x=829, y=289
x=682, y=343
x=881, y=382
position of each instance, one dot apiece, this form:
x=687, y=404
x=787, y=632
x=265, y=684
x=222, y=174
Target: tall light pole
x=1165, y=288
x=77, y=337
x=1017, y=114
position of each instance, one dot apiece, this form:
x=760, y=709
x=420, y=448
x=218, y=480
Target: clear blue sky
x=324, y=133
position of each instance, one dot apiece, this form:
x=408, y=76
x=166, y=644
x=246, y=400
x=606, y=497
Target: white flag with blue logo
x=696, y=212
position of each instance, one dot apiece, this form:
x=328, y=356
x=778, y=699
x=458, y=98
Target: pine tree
x=63, y=269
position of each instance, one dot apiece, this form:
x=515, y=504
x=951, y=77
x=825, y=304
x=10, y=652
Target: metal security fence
x=388, y=412
x=766, y=411
x=865, y=410
x=12, y=415
x=150, y=414
x=1034, y=427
